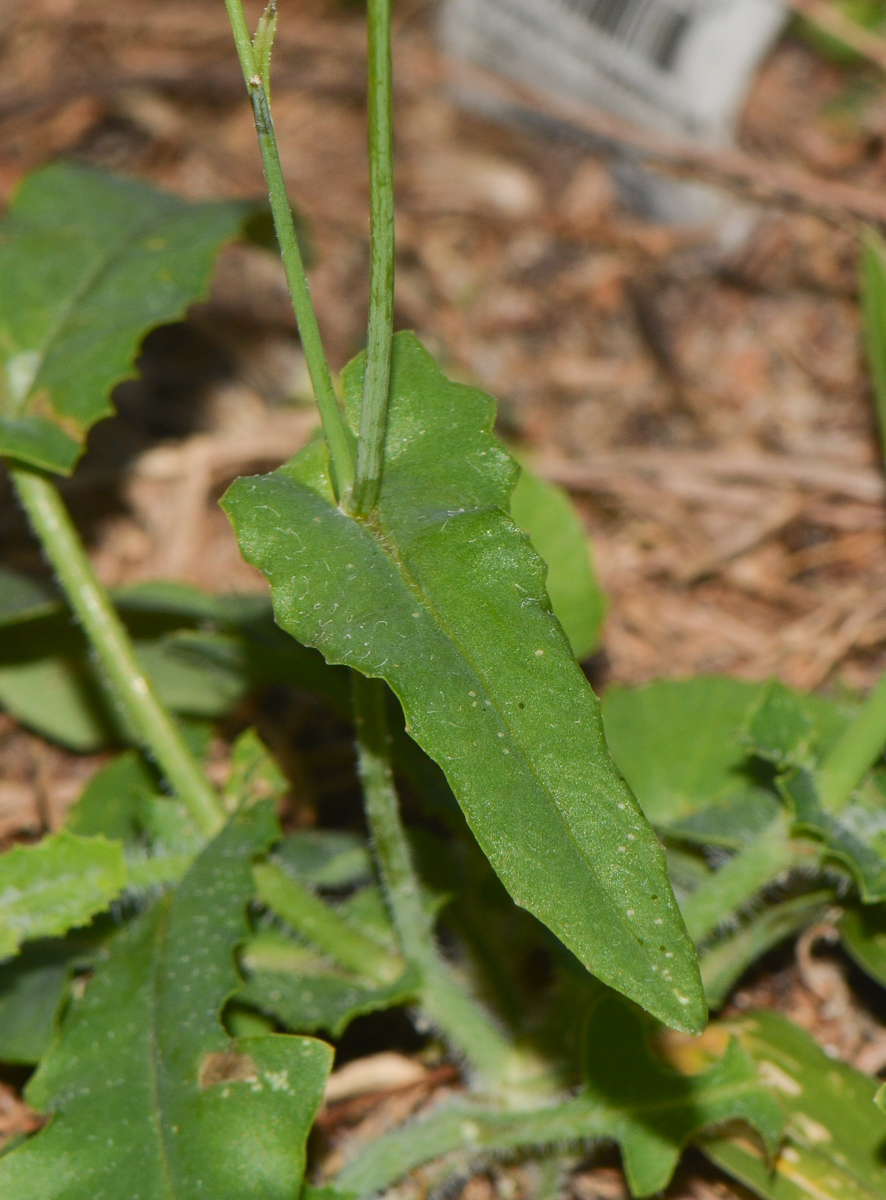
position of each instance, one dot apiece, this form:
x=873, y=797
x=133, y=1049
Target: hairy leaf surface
x=56, y=885
x=443, y=597
x=89, y=263
x=150, y=1096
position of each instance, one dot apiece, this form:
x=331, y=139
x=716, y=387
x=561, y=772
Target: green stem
x=468, y=1028
x=338, y=437
x=377, y=383
x=476, y=1131
x=147, y=717
x=855, y=753
x=739, y=880
x=316, y=921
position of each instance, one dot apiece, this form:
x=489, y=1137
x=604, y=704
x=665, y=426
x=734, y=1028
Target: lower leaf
x=148, y=1094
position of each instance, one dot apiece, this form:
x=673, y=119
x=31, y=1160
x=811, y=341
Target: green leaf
x=111, y=801
x=56, y=885
x=306, y=993
x=22, y=598
x=557, y=532
x=833, y=1145
x=325, y=858
x=150, y=1096
x=873, y=298
x=863, y=934
x=780, y=729
x=33, y=986
x=88, y=264
x=679, y=743
x=630, y=1096
x=254, y=773
x=442, y=596
x=59, y=699
x=732, y=822
x=325, y=927
x=854, y=837
x=654, y=1110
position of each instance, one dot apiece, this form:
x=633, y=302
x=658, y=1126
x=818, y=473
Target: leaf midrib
x=154, y=1064
x=390, y=548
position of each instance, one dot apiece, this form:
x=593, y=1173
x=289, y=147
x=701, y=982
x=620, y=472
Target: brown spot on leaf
x=227, y=1066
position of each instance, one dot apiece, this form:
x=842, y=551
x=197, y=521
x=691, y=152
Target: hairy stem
x=376, y=387
x=466, y=1026
x=316, y=921
x=147, y=717
x=476, y=1131
x=338, y=437
x=855, y=753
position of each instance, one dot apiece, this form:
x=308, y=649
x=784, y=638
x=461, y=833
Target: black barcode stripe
x=654, y=28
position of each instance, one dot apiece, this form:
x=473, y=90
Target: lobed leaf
x=443, y=597
x=834, y=1137
x=631, y=1096
x=56, y=885
x=88, y=264
x=149, y=1095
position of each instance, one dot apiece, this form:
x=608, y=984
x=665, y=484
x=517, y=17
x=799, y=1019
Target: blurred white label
x=679, y=65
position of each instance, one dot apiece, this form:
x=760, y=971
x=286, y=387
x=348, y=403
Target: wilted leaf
x=150, y=1096
x=89, y=263
x=444, y=598
x=56, y=885
x=558, y=534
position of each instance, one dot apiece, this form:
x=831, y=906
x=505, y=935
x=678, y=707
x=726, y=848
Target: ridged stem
x=379, y=342
x=338, y=437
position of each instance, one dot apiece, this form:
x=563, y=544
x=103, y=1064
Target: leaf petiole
x=469, y=1029
x=338, y=437
x=147, y=717
x=379, y=342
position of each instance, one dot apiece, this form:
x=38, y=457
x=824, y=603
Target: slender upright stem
x=338, y=437
x=856, y=752
x=467, y=1027
x=147, y=717
x=376, y=387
